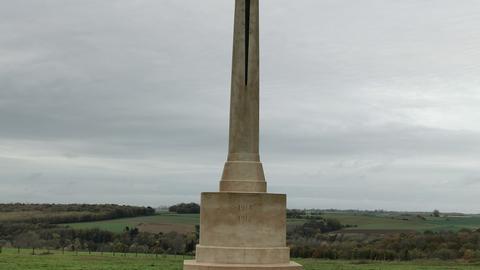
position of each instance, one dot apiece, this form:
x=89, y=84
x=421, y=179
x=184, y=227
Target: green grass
x=455, y=223
x=363, y=222
x=118, y=225
x=10, y=260
x=311, y=264
x=377, y=222
x=371, y=222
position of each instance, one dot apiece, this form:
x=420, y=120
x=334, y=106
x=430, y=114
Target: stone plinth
x=242, y=231
x=243, y=220
x=192, y=265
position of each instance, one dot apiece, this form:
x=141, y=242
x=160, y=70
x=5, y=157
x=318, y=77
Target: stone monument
x=242, y=226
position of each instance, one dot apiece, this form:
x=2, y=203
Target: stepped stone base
x=242, y=231
x=224, y=255
x=193, y=265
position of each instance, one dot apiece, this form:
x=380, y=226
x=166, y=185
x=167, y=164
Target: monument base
x=193, y=265
x=242, y=231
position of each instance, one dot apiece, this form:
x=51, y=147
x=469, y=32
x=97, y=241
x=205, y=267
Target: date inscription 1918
x=244, y=212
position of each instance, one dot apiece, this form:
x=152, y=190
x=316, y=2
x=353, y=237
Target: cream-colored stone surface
x=245, y=176
x=243, y=171
x=243, y=220
x=242, y=227
x=243, y=255
x=193, y=265
x=242, y=231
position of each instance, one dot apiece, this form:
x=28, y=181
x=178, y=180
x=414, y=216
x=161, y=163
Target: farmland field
x=158, y=223
x=10, y=260
x=400, y=222
x=365, y=223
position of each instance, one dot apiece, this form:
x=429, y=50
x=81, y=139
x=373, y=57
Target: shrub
x=445, y=254
x=185, y=208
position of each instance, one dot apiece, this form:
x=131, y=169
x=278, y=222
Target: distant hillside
x=327, y=234
x=66, y=213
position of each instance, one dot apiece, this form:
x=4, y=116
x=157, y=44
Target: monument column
x=243, y=227
x=243, y=171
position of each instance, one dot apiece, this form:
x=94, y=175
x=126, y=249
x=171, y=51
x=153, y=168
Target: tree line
x=131, y=240
x=306, y=241
x=317, y=237
x=185, y=208
x=444, y=245
x=40, y=226
x=68, y=213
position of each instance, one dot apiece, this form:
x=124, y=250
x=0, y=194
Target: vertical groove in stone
x=243, y=171
x=247, y=37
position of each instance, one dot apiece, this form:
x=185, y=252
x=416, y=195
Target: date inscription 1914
x=244, y=212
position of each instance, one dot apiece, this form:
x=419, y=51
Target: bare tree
x=77, y=244
x=28, y=240
x=2, y=244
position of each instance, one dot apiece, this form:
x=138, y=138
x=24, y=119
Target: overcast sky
x=371, y=104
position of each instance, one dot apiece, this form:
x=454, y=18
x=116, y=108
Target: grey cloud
x=364, y=105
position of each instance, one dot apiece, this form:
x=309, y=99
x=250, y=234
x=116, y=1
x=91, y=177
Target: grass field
x=10, y=260
x=372, y=222
x=157, y=223
x=184, y=223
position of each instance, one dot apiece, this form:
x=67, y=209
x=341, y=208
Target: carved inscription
x=244, y=212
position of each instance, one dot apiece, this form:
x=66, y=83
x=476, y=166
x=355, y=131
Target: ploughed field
x=359, y=222
x=9, y=259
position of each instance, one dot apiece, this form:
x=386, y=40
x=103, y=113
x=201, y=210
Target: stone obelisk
x=242, y=226
x=243, y=171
